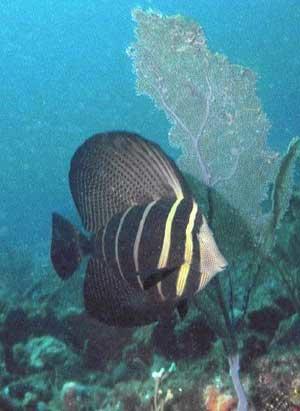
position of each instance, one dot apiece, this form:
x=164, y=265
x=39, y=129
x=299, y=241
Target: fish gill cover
x=219, y=125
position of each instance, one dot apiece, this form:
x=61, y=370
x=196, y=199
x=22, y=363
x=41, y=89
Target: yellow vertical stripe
x=164, y=255
x=188, y=252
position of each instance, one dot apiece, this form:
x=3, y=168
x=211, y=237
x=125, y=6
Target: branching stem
x=234, y=367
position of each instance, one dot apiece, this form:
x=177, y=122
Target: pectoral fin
x=152, y=277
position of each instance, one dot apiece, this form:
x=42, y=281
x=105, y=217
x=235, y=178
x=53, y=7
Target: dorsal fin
x=113, y=171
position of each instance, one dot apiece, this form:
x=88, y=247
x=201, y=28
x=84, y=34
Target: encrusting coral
x=217, y=401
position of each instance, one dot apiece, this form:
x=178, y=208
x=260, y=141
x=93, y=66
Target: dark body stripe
x=151, y=242
x=153, y=235
x=127, y=239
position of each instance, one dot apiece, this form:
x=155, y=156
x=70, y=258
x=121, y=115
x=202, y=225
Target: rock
x=254, y=346
x=276, y=375
x=43, y=353
x=20, y=324
x=6, y=405
x=30, y=401
x=196, y=340
x=138, y=353
x=15, y=328
x=39, y=385
x=285, y=305
x=120, y=373
x=99, y=343
x=73, y=396
x=131, y=402
x=3, y=372
x=265, y=320
x=288, y=332
x=42, y=406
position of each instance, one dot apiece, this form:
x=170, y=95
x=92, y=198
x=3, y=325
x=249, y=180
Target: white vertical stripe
x=117, y=240
x=203, y=281
x=161, y=165
x=171, y=173
x=103, y=242
x=139, y=235
x=138, y=239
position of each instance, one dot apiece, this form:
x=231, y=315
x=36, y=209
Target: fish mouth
x=223, y=263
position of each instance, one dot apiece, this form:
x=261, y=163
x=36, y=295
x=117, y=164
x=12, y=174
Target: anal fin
x=183, y=308
x=150, y=278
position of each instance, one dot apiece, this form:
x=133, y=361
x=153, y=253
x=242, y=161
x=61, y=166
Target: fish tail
x=68, y=246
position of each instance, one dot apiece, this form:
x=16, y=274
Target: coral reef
x=51, y=372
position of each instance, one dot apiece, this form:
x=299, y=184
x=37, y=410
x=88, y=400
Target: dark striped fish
x=150, y=248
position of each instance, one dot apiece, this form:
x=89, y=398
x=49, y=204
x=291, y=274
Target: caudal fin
x=68, y=246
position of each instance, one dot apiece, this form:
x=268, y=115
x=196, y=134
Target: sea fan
x=218, y=124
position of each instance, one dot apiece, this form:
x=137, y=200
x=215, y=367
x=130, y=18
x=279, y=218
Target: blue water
x=65, y=75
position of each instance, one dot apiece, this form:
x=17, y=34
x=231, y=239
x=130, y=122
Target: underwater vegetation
x=219, y=125
x=286, y=253
x=237, y=347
